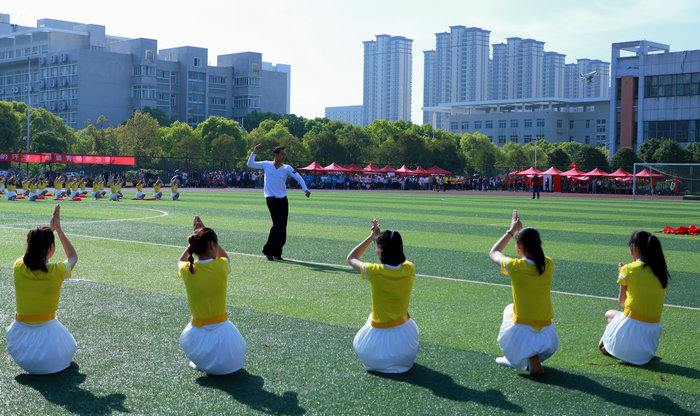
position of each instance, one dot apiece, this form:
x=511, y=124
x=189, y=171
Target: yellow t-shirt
x=12, y=187
x=156, y=188
x=113, y=188
x=206, y=288
x=139, y=187
x=37, y=292
x=173, y=188
x=645, y=295
x=391, y=289
x=102, y=186
x=531, y=291
x=58, y=185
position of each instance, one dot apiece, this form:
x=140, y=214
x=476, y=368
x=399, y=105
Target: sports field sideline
x=299, y=316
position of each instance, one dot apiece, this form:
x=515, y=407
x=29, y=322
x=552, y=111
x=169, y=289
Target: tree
x=625, y=158
x=382, y=130
x=559, y=159
x=253, y=120
x=516, y=157
x=296, y=152
x=591, y=157
x=139, y=136
x=446, y=155
x=173, y=134
x=324, y=147
x=481, y=154
x=48, y=132
x=10, y=128
x=214, y=127
x=670, y=151
x=295, y=124
x=647, y=149
x=694, y=149
x=359, y=146
x=160, y=115
x=96, y=139
x=571, y=148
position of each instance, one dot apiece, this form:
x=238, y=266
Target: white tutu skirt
x=10, y=194
x=214, y=349
x=387, y=350
x=140, y=195
x=41, y=349
x=520, y=342
x=631, y=340
x=113, y=197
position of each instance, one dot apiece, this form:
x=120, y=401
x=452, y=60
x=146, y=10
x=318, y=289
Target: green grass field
x=299, y=317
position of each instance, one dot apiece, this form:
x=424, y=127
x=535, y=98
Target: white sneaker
x=194, y=366
x=504, y=361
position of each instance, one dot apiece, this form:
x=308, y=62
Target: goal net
x=665, y=179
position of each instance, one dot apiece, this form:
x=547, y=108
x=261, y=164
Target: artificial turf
x=299, y=317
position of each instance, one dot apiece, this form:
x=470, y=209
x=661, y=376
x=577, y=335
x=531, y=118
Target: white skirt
x=140, y=195
x=631, y=340
x=41, y=349
x=173, y=195
x=214, y=349
x=520, y=342
x=11, y=194
x=113, y=197
x=387, y=350
x=74, y=194
x=58, y=194
x=33, y=195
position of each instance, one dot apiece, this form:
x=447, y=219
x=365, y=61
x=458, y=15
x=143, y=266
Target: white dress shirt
x=276, y=178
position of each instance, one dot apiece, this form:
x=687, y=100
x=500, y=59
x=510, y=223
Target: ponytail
x=391, y=245
x=39, y=241
x=651, y=254
x=198, y=244
x=529, y=239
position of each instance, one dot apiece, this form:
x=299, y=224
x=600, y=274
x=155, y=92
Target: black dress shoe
x=270, y=258
x=278, y=258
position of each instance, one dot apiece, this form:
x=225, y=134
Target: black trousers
x=279, y=211
x=535, y=190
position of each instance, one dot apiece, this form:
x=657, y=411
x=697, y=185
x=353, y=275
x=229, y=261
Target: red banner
x=63, y=158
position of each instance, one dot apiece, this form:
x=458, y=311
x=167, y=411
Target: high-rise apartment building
x=78, y=72
x=553, y=73
x=579, y=87
x=347, y=114
x=387, y=79
x=458, y=68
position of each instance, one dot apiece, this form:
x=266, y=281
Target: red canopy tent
x=620, y=174
x=387, y=169
x=646, y=174
x=530, y=171
x=371, y=168
x=403, y=170
x=597, y=173
x=353, y=168
x=333, y=167
x=421, y=172
x=573, y=172
x=437, y=170
x=313, y=167
x=552, y=171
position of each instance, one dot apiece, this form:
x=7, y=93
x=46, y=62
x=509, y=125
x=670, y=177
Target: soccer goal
x=665, y=179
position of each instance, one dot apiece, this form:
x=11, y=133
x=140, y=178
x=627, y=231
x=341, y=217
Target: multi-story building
x=79, y=73
x=578, y=86
x=655, y=93
x=348, y=114
x=553, y=72
x=387, y=79
x=524, y=120
x=457, y=70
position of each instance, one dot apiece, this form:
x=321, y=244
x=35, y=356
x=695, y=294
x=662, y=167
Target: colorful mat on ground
x=692, y=230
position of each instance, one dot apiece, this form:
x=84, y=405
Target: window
x=143, y=93
x=501, y=124
x=477, y=124
x=197, y=62
x=502, y=139
x=213, y=79
x=454, y=125
x=514, y=138
x=246, y=82
x=527, y=138
x=571, y=124
x=588, y=124
x=528, y=122
x=195, y=81
x=465, y=125
x=588, y=139
x=489, y=124
x=143, y=70
x=540, y=122
x=246, y=101
x=173, y=100
x=217, y=101
x=559, y=124
x=672, y=85
x=514, y=124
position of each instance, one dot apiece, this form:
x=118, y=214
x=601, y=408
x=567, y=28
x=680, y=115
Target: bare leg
x=536, y=366
x=609, y=316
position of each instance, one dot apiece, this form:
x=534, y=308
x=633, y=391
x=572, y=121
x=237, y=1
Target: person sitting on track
x=36, y=340
x=174, y=194
x=74, y=188
x=139, y=190
x=96, y=194
x=527, y=336
x=388, y=342
x=33, y=189
x=58, y=190
x=157, y=194
x=83, y=187
x=210, y=340
x=113, y=195
x=41, y=186
x=633, y=335
x=12, y=188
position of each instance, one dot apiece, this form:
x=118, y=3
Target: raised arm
x=354, y=256
x=496, y=254
x=55, y=225
x=251, y=160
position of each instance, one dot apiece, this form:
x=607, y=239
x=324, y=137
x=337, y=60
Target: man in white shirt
x=275, y=190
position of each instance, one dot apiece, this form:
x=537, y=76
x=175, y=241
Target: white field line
x=161, y=214
x=338, y=265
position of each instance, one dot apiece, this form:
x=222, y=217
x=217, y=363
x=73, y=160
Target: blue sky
x=322, y=40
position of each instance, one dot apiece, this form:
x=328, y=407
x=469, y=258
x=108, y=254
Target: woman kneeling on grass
x=633, y=335
x=36, y=340
x=388, y=343
x=211, y=342
x=527, y=336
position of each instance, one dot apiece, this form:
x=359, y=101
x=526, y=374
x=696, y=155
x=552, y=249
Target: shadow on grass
x=656, y=365
x=248, y=389
x=658, y=403
x=444, y=386
x=320, y=267
x=63, y=390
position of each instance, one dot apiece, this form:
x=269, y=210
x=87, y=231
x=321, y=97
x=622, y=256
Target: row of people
x=388, y=342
